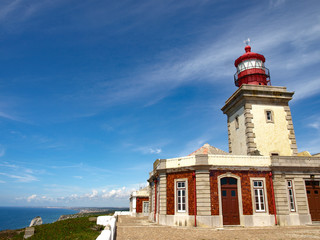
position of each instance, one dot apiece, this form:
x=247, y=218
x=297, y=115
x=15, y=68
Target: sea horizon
x=65, y=207
x=17, y=217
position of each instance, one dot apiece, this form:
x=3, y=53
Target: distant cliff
x=84, y=212
x=36, y=221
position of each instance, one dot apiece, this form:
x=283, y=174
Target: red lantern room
x=250, y=69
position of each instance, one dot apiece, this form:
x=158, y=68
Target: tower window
x=269, y=116
x=237, y=122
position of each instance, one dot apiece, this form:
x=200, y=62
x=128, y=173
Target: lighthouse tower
x=259, y=116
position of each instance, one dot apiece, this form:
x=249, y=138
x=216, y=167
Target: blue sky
x=92, y=92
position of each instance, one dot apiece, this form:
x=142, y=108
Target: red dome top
x=249, y=55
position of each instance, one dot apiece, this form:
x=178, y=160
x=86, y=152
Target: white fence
x=116, y=213
x=110, y=225
x=105, y=235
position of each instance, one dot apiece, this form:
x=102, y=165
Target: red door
x=313, y=193
x=229, y=197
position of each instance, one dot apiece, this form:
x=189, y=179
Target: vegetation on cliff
x=74, y=228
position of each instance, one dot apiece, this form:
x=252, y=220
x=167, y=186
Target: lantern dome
x=251, y=69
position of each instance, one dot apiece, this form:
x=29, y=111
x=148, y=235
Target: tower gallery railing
x=265, y=72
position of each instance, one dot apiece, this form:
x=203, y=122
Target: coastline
x=21, y=217
x=80, y=212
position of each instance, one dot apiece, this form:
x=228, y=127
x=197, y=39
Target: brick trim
x=171, y=191
x=140, y=201
x=245, y=190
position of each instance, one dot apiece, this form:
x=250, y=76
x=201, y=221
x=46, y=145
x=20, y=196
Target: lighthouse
x=251, y=69
x=259, y=116
x=260, y=182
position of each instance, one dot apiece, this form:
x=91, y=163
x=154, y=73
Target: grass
x=77, y=228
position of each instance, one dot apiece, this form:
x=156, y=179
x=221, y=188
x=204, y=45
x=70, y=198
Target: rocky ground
x=140, y=228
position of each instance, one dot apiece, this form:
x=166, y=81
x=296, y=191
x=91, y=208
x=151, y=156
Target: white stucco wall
x=238, y=136
x=133, y=202
x=271, y=137
x=181, y=162
x=239, y=160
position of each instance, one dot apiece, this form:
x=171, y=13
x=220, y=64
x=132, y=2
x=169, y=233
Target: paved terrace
x=131, y=228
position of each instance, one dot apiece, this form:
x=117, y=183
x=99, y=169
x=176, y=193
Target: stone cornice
x=257, y=94
x=239, y=162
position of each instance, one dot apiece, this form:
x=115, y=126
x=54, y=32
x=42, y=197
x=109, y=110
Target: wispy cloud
x=19, y=11
x=25, y=178
x=289, y=42
x=8, y=7
x=314, y=122
x=32, y=197
x=92, y=195
x=307, y=89
x=95, y=195
x=10, y=117
x=8, y=165
x=312, y=143
x=62, y=189
x=2, y=151
x=122, y=193
x=208, y=61
x=17, y=172
x=45, y=142
x=148, y=150
x=142, y=167
x=193, y=145
x=276, y=3
x=212, y=61
x=83, y=167
x=25, y=175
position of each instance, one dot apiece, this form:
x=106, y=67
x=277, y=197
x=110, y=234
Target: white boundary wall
x=110, y=225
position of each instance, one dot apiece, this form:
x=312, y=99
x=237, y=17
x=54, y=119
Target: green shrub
x=77, y=228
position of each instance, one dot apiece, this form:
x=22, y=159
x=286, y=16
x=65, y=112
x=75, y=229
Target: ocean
x=20, y=217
